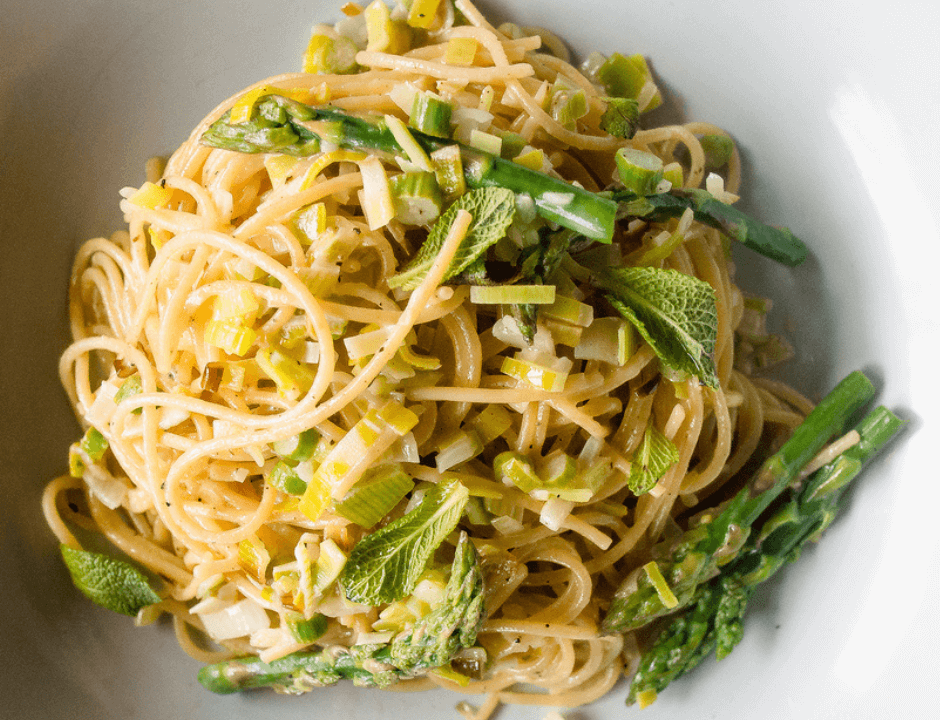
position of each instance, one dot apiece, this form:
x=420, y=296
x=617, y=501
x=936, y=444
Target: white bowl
x=834, y=105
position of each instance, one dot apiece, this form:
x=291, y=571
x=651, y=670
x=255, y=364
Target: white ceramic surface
x=835, y=106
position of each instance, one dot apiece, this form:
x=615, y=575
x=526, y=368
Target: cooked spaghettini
x=426, y=366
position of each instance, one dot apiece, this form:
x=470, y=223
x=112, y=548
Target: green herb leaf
x=386, y=565
x=675, y=313
x=113, y=584
x=651, y=460
x=621, y=118
x=492, y=208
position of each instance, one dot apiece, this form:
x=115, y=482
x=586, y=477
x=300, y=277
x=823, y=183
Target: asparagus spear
x=283, y=125
x=776, y=243
x=432, y=642
x=714, y=619
x=718, y=541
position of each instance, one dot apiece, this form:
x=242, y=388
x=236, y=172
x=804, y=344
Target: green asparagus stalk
x=281, y=125
x=719, y=540
x=776, y=243
x=432, y=642
x=713, y=621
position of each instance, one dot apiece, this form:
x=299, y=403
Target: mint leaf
x=651, y=460
x=621, y=118
x=492, y=208
x=386, y=565
x=675, y=313
x=113, y=584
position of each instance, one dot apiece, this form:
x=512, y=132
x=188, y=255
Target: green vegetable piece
x=298, y=447
x=417, y=198
x=373, y=497
x=621, y=118
x=286, y=479
x=277, y=126
x=453, y=624
x=94, y=444
x=492, y=210
x=719, y=541
x=110, y=583
x=675, y=313
x=623, y=76
x=386, y=565
x=776, y=243
x=431, y=115
x=718, y=150
x=652, y=459
x=640, y=171
x=304, y=630
x=130, y=387
x=714, y=618
x=432, y=642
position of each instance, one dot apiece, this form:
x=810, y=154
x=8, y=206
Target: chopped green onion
x=330, y=55
x=491, y=422
x=286, y=479
x=297, y=447
x=622, y=76
x=596, y=474
x=569, y=107
x=431, y=115
x=551, y=378
x=610, y=340
x=630, y=77
x=673, y=173
x=417, y=198
x=558, y=470
x=76, y=464
x=563, y=333
x=569, y=310
x=458, y=448
x=515, y=468
x=291, y=377
x=94, y=444
x=640, y=172
x=130, y=387
x=486, y=142
x=533, y=159
x=309, y=222
x=476, y=512
x=240, y=306
x=231, y=337
x=253, y=557
x=346, y=463
x=303, y=630
x=448, y=168
x=718, y=150
x=373, y=497
x=328, y=566
x=406, y=140
x=366, y=343
x=512, y=294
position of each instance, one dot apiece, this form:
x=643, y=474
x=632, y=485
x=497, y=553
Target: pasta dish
x=426, y=366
